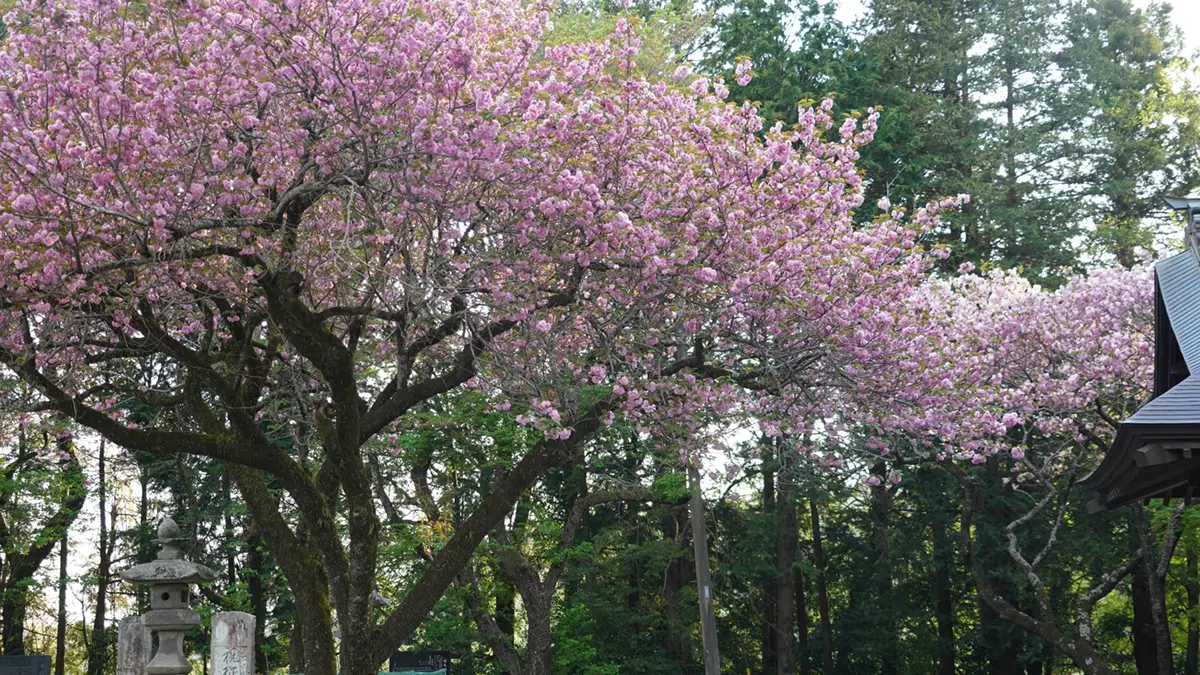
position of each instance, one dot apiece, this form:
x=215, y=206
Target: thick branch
x=1088, y=600
x=567, y=538
x=440, y=572
x=1014, y=552
x=1170, y=539
x=395, y=400
x=1078, y=650
x=225, y=448
x=26, y=565
x=497, y=639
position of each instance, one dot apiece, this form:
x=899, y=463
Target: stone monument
x=133, y=646
x=232, y=643
x=170, y=612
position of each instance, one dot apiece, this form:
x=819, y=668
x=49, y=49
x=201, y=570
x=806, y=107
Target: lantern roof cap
x=169, y=568
x=168, y=530
x=169, y=572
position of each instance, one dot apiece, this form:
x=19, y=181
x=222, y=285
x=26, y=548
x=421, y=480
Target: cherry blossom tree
x=282, y=227
x=993, y=370
x=1066, y=367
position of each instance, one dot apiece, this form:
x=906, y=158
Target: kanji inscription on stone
x=232, y=643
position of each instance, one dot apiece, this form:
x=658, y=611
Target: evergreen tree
x=1133, y=120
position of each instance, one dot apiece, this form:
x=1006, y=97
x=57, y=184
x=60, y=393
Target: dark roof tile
x=1179, y=280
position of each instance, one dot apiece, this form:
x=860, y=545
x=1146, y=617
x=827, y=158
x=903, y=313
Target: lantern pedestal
x=170, y=624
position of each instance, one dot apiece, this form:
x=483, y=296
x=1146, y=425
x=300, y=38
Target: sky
x=1187, y=17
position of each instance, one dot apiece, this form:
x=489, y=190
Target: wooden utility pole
x=708, y=618
x=787, y=536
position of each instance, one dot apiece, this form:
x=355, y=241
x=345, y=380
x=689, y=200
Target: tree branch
x=441, y=571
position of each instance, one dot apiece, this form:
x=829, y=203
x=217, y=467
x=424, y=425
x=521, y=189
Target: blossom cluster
x=1003, y=363
x=454, y=198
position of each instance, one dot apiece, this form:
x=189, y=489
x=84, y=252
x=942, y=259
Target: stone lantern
x=169, y=578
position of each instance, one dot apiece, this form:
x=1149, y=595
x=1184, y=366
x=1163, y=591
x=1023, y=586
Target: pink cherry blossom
x=743, y=72
x=426, y=189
